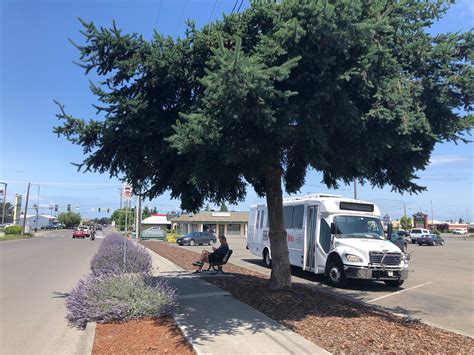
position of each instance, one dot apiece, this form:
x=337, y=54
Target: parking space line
x=398, y=292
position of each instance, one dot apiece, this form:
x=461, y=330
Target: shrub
x=118, y=298
x=109, y=258
x=12, y=230
x=171, y=237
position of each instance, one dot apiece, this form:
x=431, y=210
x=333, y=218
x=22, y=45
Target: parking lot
x=439, y=290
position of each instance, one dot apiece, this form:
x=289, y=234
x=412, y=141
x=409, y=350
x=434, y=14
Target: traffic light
x=55, y=208
x=69, y=208
x=108, y=210
x=98, y=210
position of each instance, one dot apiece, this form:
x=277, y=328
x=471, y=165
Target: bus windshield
x=358, y=227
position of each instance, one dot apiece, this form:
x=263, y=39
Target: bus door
x=309, y=253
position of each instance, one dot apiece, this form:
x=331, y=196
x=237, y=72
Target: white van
x=328, y=234
x=418, y=233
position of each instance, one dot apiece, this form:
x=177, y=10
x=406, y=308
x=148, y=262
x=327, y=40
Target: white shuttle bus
x=328, y=234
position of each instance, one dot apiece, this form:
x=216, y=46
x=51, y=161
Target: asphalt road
x=35, y=276
x=439, y=290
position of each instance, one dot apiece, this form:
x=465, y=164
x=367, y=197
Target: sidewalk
x=216, y=323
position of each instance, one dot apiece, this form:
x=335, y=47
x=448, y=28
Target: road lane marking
x=398, y=292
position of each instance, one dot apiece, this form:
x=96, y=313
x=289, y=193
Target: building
x=43, y=221
x=221, y=223
x=157, y=220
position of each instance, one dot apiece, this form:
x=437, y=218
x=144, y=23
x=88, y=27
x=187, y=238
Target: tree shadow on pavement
x=57, y=294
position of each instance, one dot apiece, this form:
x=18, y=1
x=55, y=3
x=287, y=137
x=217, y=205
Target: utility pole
x=120, y=190
x=37, y=207
x=432, y=217
x=4, y=201
x=26, y=209
x=404, y=209
x=355, y=189
x=138, y=217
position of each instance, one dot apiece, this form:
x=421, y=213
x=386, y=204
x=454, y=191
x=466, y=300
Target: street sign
x=127, y=191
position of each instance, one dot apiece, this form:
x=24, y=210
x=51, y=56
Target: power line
x=158, y=15
x=233, y=9
x=212, y=12
x=241, y=2
x=181, y=18
x=61, y=183
x=77, y=189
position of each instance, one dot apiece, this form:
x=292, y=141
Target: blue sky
x=36, y=67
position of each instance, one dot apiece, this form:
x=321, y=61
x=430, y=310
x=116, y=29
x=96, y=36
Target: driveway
x=439, y=290
x=35, y=276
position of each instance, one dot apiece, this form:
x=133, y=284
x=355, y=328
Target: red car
x=79, y=233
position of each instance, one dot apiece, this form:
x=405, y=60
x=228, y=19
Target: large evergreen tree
x=354, y=89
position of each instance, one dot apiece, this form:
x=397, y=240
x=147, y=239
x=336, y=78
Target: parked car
x=403, y=233
x=78, y=233
x=194, y=238
x=417, y=233
x=399, y=241
x=430, y=239
x=460, y=231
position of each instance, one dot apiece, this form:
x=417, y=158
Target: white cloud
x=446, y=159
x=466, y=6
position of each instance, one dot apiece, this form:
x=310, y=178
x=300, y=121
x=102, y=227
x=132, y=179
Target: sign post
x=127, y=195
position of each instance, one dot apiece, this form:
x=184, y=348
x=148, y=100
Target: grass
x=15, y=236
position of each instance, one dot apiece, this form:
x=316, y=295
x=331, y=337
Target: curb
x=89, y=337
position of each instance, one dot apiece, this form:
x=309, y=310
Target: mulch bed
x=336, y=324
x=146, y=336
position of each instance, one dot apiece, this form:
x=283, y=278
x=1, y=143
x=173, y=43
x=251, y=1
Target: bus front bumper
x=376, y=272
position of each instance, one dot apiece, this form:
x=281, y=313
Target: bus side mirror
x=389, y=229
x=333, y=228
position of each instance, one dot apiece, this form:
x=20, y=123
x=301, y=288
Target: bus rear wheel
x=266, y=258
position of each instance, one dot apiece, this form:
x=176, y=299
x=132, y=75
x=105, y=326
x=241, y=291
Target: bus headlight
x=353, y=258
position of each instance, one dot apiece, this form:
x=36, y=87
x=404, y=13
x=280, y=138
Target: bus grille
x=377, y=257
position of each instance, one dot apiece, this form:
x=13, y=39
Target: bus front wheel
x=336, y=275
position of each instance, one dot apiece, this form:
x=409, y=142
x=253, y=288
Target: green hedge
x=13, y=230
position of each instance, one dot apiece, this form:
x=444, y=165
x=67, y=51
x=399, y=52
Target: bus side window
x=258, y=219
x=288, y=216
x=262, y=217
x=298, y=217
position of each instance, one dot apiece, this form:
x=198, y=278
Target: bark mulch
x=336, y=324
x=145, y=336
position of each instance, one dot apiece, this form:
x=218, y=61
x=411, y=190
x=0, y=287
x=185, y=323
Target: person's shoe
x=197, y=263
x=197, y=272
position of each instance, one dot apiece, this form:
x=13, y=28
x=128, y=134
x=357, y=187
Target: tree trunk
x=281, y=272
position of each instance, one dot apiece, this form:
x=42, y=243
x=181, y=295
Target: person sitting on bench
x=216, y=256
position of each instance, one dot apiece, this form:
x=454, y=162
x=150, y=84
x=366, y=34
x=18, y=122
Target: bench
x=217, y=266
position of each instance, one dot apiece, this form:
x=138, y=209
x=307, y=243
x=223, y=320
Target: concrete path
x=35, y=276
x=216, y=323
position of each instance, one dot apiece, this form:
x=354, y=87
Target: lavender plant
x=109, y=259
x=109, y=298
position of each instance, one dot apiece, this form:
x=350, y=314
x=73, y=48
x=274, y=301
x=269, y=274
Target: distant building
x=157, y=220
x=221, y=223
x=43, y=221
